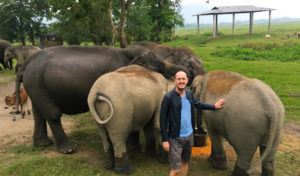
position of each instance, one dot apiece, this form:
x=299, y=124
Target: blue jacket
x=170, y=113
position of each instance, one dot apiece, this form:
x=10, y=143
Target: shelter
x=233, y=10
x=49, y=39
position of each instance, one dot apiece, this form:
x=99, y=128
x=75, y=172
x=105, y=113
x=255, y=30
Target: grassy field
x=282, y=75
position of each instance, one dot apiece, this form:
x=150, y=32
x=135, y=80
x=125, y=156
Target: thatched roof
x=234, y=9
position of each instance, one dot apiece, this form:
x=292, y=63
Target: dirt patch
x=14, y=129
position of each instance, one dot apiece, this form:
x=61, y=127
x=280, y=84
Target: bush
x=262, y=51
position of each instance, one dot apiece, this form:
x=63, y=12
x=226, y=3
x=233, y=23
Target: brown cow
x=11, y=101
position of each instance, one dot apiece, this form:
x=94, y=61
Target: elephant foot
x=66, y=148
x=163, y=155
x=109, y=160
x=218, y=162
x=266, y=172
x=122, y=165
x=237, y=171
x=42, y=142
x=150, y=148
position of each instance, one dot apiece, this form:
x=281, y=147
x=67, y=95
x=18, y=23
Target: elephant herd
x=123, y=90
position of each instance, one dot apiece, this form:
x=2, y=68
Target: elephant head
x=9, y=54
x=151, y=61
x=185, y=57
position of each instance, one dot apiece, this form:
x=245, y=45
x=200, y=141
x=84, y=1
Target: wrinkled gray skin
x=252, y=117
x=3, y=45
x=58, y=80
x=21, y=53
x=123, y=101
x=180, y=56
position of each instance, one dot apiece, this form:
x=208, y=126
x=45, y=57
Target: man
x=177, y=123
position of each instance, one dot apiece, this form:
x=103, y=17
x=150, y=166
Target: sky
x=284, y=8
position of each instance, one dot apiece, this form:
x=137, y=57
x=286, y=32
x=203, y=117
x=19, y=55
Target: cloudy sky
x=284, y=8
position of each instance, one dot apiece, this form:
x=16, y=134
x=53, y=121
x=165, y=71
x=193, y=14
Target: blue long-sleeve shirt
x=170, y=113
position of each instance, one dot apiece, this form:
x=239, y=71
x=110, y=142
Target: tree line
x=103, y=22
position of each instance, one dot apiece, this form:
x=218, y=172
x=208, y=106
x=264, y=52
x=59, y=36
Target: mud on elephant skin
x=180, y=56
x=123, y=101
x=252, y=117
x=21, y=53
x=58, y=80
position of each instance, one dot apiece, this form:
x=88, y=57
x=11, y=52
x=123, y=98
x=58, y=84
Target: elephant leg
x=150, y=139
x=244, y=157
x=134, y=141
x=217, y=156
x=40, y=137
x=122, y=165
x=51, y=112
x=108, y=149
x=10, y=61
x=267, y=164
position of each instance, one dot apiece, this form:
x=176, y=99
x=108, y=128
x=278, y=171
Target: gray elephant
x=252, y=117
x=21, y=53
x=123, y=101
x=58, y=80
x=180, y=56
x=3, y=45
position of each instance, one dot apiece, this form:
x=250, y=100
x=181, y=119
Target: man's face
x=180, y=80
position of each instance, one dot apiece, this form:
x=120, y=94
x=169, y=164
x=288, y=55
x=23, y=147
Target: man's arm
x=199, y=105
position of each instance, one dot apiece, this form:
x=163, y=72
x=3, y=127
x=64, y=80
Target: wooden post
x=251, y=23
x=198, y=26
x=269, y=26
x=215, y=25
x=233, y=23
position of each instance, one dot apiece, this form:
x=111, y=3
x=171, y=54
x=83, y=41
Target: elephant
x=252, y=117
x=58, y=80
x=179, y=56
x=3, y=45
x=123, y=101
x=21, y=53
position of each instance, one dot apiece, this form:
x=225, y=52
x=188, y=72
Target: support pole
x=198, y=26
x=215, y=25
x=269, y=26
x=233, y=23
x=251, y=23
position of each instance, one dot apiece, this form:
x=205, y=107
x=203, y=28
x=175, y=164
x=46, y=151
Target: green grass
x=282, y=76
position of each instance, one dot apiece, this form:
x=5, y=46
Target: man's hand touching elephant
x=220, y=103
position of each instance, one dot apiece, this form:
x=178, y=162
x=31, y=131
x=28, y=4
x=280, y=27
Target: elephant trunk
x=103, y=118
x=171, y=69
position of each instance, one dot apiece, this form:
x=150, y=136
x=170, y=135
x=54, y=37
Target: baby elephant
x=11, y=101
x=252, y=117
x=124, y=101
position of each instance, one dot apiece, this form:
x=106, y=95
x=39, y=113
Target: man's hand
x=220, y=104
x=166, y=146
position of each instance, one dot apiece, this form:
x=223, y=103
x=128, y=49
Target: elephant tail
x=101, y=117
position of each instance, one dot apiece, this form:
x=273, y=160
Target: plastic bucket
x=199, y=140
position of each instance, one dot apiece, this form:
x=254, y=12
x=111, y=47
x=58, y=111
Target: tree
x=88, y=19
x=165, y=15
x=19, y=18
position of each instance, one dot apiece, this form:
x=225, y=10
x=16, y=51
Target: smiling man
x=177, y=123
